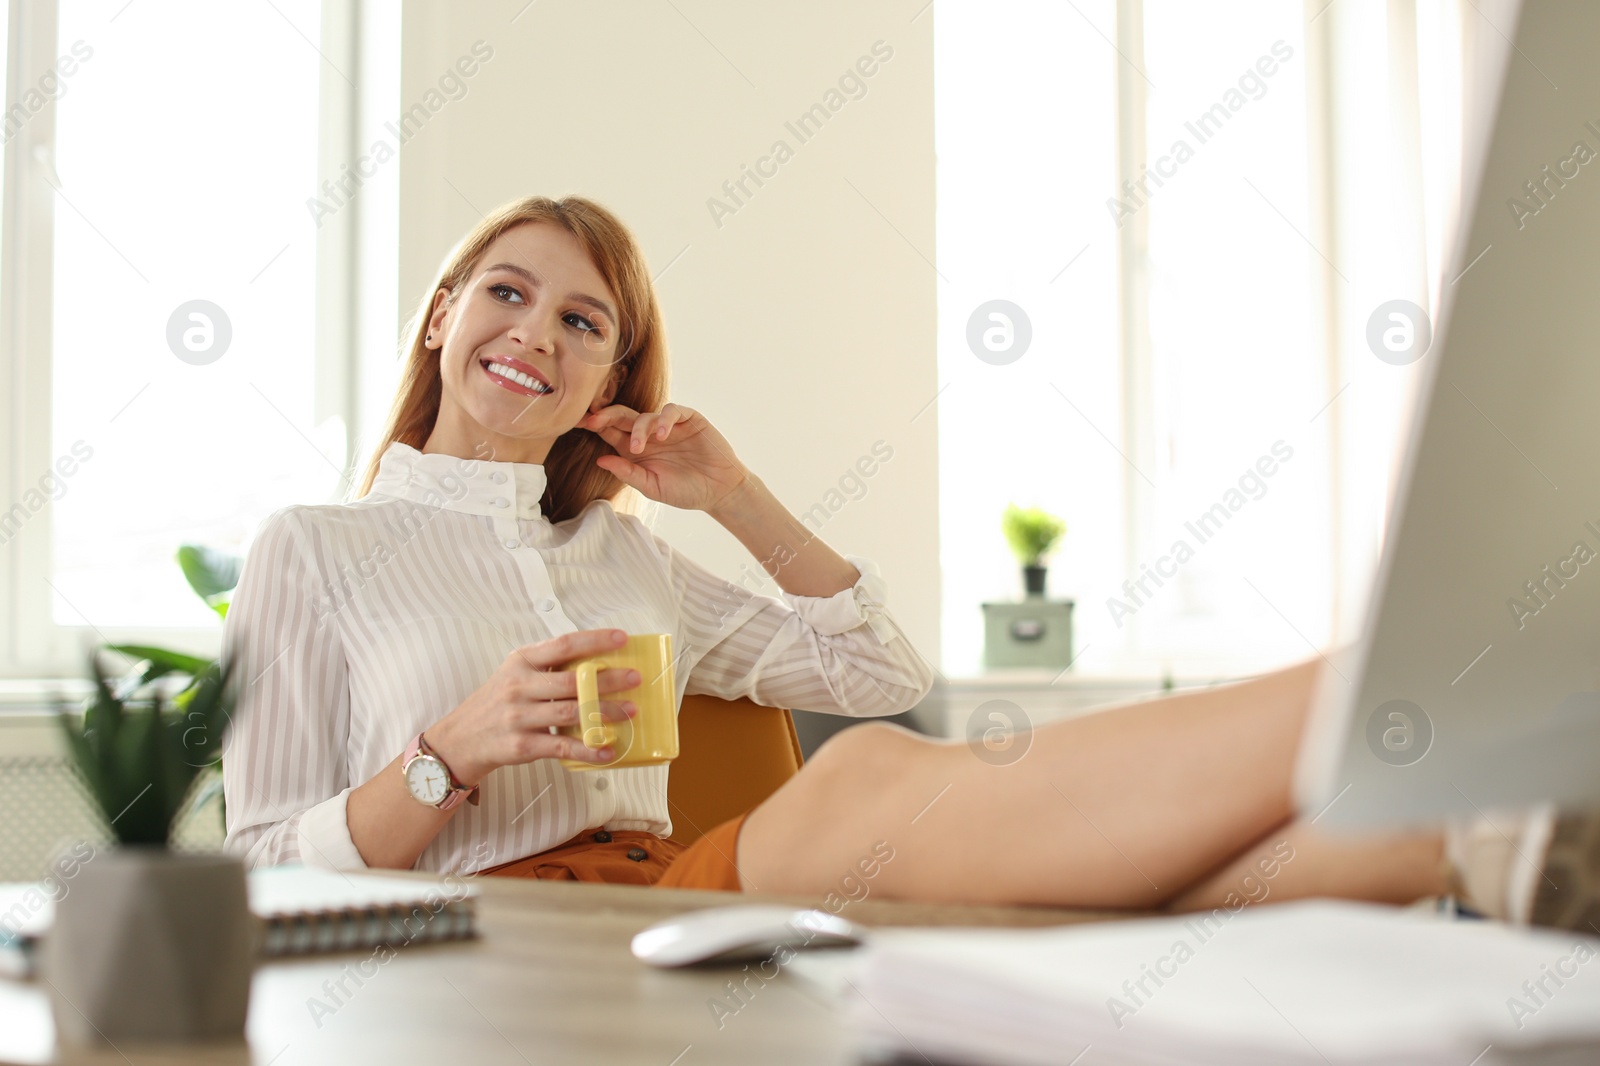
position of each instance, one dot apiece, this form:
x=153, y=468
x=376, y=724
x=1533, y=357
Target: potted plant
x=1032, y=534
x=150, y=943
x=213, y=575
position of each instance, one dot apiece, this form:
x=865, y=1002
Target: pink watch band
x=458, y=793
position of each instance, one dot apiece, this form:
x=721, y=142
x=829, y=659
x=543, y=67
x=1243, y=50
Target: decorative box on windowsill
x=1031, y=633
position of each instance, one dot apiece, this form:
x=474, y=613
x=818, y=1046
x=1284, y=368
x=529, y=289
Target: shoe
x=1567, y=894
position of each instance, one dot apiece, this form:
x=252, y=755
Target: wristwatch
x=430, y=781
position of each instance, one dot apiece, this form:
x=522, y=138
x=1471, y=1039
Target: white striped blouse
x=355, y=626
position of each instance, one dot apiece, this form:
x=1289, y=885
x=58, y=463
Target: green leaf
x=1031, y=533
x=210, y=572
x=206, y=717
x=82, y=754
x=161, y=661
x=102, y=718
x=140, y=778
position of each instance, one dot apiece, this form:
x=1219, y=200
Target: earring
x=428, y=337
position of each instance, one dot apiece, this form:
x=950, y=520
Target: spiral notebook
x=304, y=910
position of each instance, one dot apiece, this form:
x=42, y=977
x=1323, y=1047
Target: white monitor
x=1475, y=682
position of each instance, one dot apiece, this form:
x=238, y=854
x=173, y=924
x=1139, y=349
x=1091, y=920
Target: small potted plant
x=150, y=943
x=1032, y=534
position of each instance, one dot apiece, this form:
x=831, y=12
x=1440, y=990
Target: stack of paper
x=1313, y=982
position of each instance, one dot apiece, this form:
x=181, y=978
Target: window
x=185, y=331
x=184, y=296
x=1190, y=211
x=1230, y=502
x=1025, y=135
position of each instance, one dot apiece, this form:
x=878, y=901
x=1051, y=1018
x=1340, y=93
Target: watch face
x=427, y=780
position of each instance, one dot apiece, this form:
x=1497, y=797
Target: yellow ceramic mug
x=651, y=736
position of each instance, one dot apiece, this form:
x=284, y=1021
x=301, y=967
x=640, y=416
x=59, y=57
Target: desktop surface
x=549, y=979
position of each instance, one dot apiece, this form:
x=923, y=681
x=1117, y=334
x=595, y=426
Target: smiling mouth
x=515, y=380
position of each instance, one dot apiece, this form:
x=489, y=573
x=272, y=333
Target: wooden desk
x=549, y=980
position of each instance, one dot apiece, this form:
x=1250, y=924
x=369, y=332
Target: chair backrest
x=732, y=755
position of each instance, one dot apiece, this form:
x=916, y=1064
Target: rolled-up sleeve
x=839, y=654
x=285, y=764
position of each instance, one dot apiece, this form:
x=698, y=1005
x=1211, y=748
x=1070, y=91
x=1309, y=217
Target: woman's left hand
x=674, y=455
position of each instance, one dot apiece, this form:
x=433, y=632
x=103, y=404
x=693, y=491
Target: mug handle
x=596, y=733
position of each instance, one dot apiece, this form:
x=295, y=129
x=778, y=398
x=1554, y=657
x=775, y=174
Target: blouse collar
x=472, y=486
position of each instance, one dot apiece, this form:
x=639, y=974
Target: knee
x=816, y=827
x=874, y=750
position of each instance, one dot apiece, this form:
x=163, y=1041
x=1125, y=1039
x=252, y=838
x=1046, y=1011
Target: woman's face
x=536, y=306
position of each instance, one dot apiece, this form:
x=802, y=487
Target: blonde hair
x=573, y=481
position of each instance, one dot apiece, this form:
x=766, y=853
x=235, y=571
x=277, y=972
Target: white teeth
x=519, y=377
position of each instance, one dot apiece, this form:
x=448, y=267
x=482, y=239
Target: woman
x=432, y=614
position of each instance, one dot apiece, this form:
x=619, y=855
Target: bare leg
x=1295, y=861
x=1130, y=807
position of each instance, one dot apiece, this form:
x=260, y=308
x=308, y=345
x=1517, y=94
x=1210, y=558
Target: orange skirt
x=634, y=857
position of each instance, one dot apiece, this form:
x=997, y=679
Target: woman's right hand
x=507, y=720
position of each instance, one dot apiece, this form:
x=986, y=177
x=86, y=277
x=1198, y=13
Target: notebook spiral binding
x=344, y=929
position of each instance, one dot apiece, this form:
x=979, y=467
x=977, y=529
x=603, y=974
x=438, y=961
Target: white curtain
x=1402, y=94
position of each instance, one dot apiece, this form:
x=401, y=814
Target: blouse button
x=547, y=604
x=497, y=476
x=637, y=854
x=511, y=543
x=600, y=784
x=501, y=501
x=602, y=837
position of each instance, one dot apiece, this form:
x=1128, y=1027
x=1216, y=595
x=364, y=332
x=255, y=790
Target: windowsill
x=1114, y=673
x=1095, y=668
x=1018, y=683
x=40, y=694
x=23, y=694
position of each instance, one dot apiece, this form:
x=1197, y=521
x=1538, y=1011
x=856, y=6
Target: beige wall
x=803, y=325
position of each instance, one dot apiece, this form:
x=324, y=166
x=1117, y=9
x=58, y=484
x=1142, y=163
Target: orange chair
x=732, y=755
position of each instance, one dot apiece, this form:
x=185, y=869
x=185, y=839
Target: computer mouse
x=743, y=931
